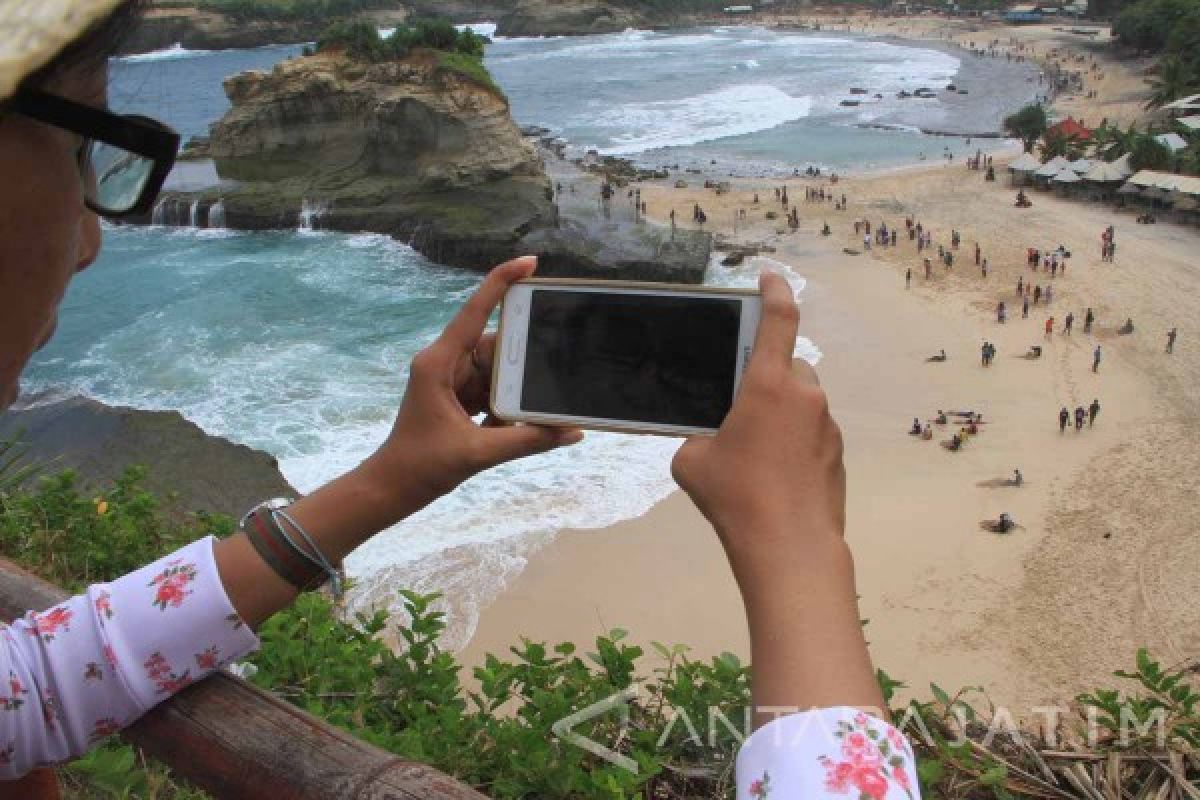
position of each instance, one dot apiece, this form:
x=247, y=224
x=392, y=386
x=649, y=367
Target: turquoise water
x=297, y=342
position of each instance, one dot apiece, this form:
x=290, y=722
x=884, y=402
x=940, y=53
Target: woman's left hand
x=435, y=444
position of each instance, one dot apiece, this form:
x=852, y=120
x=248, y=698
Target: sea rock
x=409, y=148
x=570, y=17
x=205, y=473
x=196, y=29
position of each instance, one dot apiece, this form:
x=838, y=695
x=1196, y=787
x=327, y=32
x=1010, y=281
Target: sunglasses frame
x=136, y=134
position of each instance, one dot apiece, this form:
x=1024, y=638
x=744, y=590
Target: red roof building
x=1069, y=128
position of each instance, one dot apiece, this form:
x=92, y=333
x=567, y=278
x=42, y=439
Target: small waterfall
x=159, y=216
x=194, y=214
x=310, y=215
x=216, y=215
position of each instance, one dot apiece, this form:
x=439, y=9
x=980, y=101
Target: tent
x=1185, y=184
x=1130, y=189
x=1081, y=165
x=1192, y=123
x=1066, y=175
x=1172, y=141
x=1154, y=193
x=1108, y=172
x=1026, y=162
x=1052, y=167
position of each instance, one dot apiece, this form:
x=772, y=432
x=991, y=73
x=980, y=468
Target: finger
x=776, y=340
x=519, y=441
x=465, y=330
x=492, y=421
x=475, y=367
x=806, y=373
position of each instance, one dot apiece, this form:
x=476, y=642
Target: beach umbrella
x=1052, y=167
x=1082, y=165
x=1102, y=172
x=1066, y=175
x=1026, y=162
x=1130, y=189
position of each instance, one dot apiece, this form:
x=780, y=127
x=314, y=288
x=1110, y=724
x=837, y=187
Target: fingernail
x=569, y=437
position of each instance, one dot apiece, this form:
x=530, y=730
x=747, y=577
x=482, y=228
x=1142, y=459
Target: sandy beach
x=1104, y=560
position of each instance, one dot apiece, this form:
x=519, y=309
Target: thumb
x=688, y=459
x=519, y=441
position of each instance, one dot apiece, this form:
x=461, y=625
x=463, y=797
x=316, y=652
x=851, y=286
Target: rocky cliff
x=198, y=29
x=570, y=17
x=203, y=473
x=413, y=148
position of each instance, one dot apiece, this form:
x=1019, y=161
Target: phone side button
x=514, y=350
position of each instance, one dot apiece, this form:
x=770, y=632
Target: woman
x=771, y=482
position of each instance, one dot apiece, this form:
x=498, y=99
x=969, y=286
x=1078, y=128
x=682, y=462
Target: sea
x=297, y=342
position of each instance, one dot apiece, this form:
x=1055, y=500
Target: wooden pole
x=236, y=741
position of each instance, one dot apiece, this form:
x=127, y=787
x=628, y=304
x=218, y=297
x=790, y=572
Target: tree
x=1149, y=153
x=1069, y=147
x=1110, y=142
x=1173, y=80
x=1028, y=125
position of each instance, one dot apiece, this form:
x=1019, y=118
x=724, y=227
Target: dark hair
x=94, y=46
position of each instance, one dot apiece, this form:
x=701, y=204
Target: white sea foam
x=732, y=111
x=172, y=53
x=487, y=29
x=746, y=277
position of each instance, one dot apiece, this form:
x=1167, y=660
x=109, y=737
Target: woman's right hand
x=772, y=484
x=775, y=467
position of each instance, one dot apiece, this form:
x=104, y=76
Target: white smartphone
x=636, y=357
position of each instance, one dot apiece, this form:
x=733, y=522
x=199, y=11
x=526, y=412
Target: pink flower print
x=870, y=782
x=13, y=701
x=837, y=774
x=861, y=771
x=103, y=728
x=104, y=605
x=209, y=659
x=110, y=656
x=159, y=671
x=762, y=787
x=50, y=622
x=860, y=751
x=172, y=584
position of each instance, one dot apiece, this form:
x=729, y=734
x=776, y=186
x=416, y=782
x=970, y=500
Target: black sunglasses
x=124, y=159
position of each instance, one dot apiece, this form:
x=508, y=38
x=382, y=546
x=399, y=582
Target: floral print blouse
x=827, y=753
x=85, y=669
x=74, y=674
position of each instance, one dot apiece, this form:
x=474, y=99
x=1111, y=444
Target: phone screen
x=645, y=358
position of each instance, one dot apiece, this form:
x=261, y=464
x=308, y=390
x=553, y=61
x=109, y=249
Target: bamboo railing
x=238, y=742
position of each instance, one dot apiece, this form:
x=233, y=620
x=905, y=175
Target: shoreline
x=1034, y=617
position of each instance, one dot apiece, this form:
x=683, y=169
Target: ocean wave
x=732, y=111
x=172, y=53
x=746, y=276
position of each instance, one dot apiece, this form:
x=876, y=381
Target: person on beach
x=1080, y=416
x=915, y=430
x=1025, y=309
x=908, y=278
x=1093, y=412
x=771, y=482
x=1064, y=417
x=1171, y=334
x=1020, y=286
x=1088, y=319
x=1001, y=312
x=1037, y=294
x=1018, y=479
x=1049, y=327
x=1096, y=359
x=1127, y=328
x=1068, y=322
x=1049, y=295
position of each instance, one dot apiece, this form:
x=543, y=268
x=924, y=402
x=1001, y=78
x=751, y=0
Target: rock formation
x=412, y=148
x=204, y=473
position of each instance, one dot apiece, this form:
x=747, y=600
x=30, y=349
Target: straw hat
x=33, y=32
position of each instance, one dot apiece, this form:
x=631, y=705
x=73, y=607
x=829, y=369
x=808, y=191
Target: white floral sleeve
x=73, y=674
x=827, y=753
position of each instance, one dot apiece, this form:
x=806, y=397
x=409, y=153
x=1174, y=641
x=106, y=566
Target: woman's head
x=47, y=233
